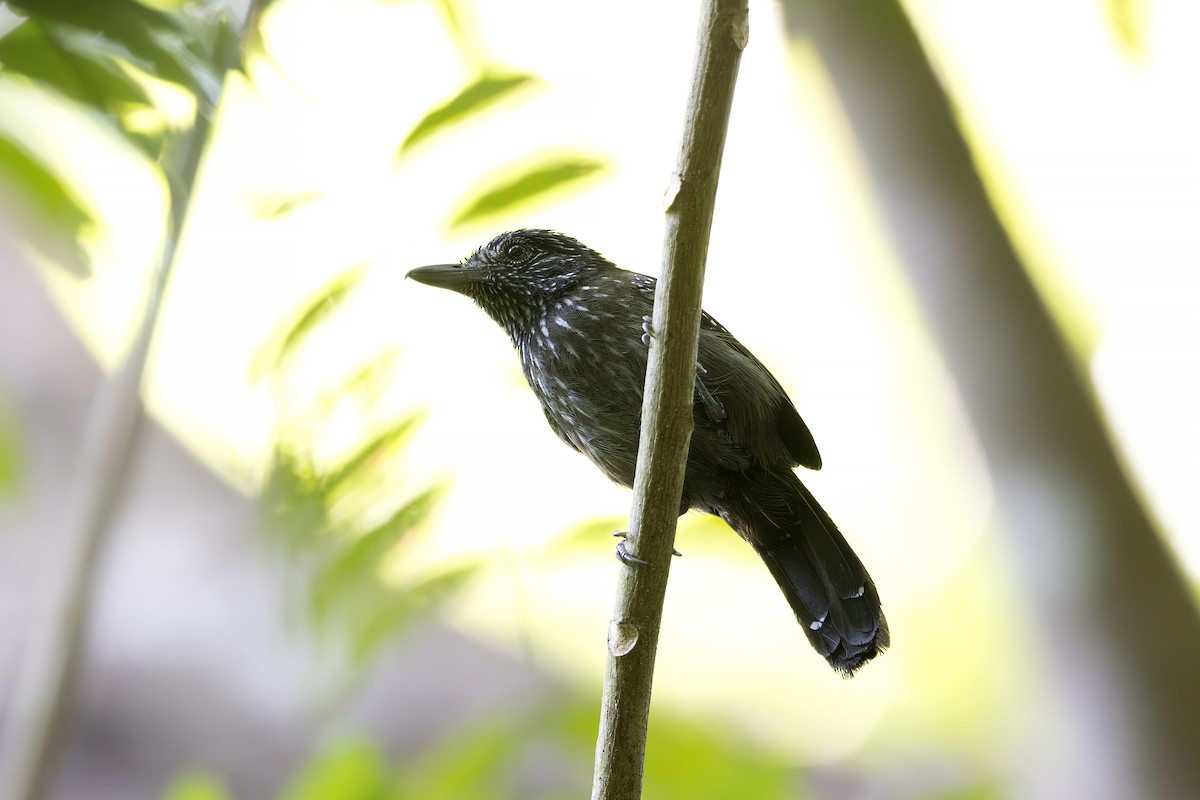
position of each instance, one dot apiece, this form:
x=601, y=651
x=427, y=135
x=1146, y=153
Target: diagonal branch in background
x=667, y=406
x=1118, y=625
x=45, y=684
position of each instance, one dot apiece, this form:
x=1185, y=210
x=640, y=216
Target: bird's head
x=518, y=275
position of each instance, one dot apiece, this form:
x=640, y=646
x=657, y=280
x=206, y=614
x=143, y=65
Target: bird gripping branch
x=578, y=323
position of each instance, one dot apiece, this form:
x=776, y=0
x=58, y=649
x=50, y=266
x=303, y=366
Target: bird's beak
x=446, y=276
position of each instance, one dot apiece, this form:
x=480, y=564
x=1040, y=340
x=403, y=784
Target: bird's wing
x=758, y=412
x=739, y=395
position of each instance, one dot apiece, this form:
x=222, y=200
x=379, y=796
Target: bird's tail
x=826, y=585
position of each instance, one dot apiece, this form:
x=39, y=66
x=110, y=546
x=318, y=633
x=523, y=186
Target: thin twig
x=667, y=406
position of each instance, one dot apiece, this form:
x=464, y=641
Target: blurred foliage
x=483, y=92
x=328, y=517
x=291, y=334
x=340, y=515
x=196, y=786
x=538, y=753
x=111, y=60
x=11, y=453
x=273, y=206
x=457, y=22
x=684, y=759
x=1128, y=20
x=986, y=791
x=522, y=185
x=344, y=509
x=352, y=769
x=50, y=202
x=582, y=536
x=158, y=42
x=507, y=758
x=89, y=72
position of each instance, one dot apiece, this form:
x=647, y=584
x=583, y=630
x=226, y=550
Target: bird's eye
x=516, y=252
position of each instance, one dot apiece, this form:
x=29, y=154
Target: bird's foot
x=712, y=406
x=628, y=558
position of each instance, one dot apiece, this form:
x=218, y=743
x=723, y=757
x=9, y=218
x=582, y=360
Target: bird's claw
x=647, y=331
x=628, y=558
x=712, y=406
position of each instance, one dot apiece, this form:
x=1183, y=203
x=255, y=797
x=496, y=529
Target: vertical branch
x=1118, y=623
x=667, y=405
x=46, y=680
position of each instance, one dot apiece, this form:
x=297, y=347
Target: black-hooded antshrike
x=580, y=325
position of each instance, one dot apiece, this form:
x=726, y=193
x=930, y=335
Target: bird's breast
x=588, y=344
x=587, y=367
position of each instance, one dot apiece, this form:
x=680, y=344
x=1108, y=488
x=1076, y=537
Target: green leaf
x=271, y=206
x=407, y=604
x=155, y=37
x=196, y=786
x=227, y=38
x=49, y=198
x=318, y=309
x=479, y=764
x=373, y=451
x=368, y=382
x=294, y=504
x=485, y=91
x=352, y=770
x=82, y=67
x=530, y=184
x=97, y=16
x=359, y=561
x=685, y=758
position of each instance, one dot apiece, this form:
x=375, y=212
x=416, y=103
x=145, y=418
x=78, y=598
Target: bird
x=581, y=327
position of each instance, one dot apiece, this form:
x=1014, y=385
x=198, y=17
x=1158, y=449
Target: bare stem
x=667, y=406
